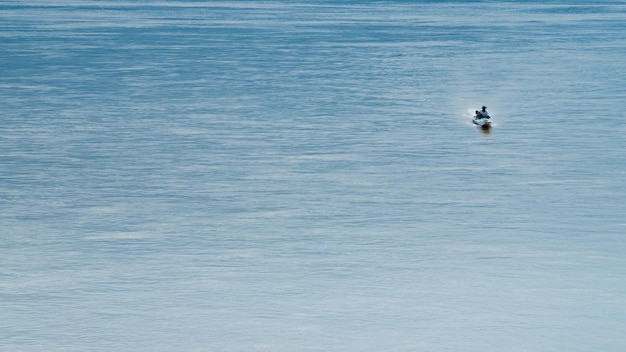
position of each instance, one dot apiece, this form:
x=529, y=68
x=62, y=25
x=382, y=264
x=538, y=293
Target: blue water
x=304, y=176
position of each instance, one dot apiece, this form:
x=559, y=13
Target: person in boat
x=483, y=113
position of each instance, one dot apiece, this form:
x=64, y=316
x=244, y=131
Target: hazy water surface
x=303, y=176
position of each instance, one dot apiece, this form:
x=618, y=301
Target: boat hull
x=482, y=122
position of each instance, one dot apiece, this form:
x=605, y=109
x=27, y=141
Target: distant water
x=304, y=176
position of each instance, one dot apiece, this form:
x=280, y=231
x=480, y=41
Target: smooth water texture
x=304, y=176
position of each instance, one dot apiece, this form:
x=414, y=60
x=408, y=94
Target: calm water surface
x=304, y=176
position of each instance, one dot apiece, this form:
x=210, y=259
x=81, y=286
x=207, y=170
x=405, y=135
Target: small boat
x=483, y=122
